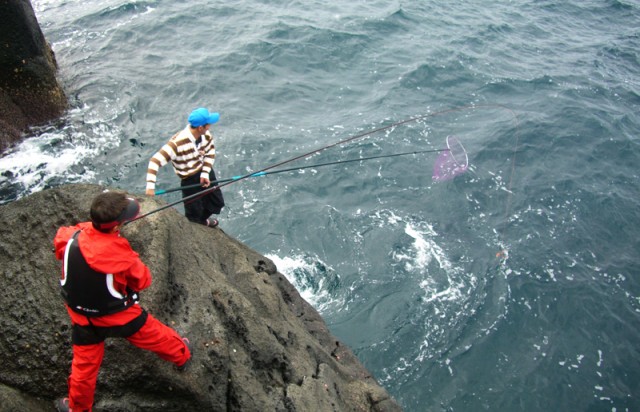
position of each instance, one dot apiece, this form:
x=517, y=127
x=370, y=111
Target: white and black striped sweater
x=187, y=156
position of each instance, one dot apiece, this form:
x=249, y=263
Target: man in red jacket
x=101, y=278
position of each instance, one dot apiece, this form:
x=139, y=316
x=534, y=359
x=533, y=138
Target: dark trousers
x=200, y=208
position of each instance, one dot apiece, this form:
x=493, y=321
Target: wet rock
x=258, y=345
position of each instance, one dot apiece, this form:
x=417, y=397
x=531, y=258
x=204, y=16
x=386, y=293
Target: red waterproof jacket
x=106, y=253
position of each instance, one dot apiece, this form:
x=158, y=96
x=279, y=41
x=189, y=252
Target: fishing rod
x=315, y=151
x=290, y=169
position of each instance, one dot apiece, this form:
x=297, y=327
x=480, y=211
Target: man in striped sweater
x=192, y=154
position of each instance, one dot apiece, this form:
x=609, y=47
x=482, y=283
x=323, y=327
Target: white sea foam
x=57, y=153
x=425, y=250
x=310, y=276
x=425, y=247
x=31, y=164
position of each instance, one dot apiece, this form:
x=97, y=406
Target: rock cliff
x=258, y=345
x=29, y=91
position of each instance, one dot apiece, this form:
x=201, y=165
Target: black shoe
x=185, y=366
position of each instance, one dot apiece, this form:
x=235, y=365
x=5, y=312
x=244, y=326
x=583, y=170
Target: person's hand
x=150, y=192
x=204, y=182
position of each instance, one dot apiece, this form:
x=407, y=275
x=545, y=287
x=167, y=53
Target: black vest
x=87, y=291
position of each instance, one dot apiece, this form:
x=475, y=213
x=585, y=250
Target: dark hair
x=107, y=207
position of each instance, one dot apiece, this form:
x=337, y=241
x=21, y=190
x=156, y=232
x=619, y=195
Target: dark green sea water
x=544, y=95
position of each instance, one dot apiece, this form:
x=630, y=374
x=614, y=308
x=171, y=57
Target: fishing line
x=504, y=254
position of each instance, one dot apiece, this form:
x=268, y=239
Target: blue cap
x=201, y=116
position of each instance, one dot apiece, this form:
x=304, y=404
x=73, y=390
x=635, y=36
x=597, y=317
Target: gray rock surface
x=29, y=91
x=258, y=345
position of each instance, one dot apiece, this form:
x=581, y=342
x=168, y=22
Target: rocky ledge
x=258, y=345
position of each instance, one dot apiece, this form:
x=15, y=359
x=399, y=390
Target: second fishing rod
x=291, y=169
x=217, y=184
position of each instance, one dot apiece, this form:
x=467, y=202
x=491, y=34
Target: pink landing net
x=451, y=163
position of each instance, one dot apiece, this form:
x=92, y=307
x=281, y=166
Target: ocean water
x=512, y=287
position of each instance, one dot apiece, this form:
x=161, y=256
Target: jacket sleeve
x=113, y=254
x=137, y=277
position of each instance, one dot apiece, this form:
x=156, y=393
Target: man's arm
x=129, y=271
x=209, y=157
x=167, y=153
x=139, y=276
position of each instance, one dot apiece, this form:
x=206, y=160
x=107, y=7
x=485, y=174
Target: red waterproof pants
x=153, y=336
